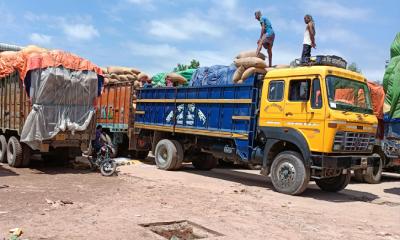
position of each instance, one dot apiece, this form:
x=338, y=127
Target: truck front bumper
x=343, y=162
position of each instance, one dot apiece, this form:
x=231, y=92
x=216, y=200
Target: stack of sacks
x=114, y=74
x=247, y=64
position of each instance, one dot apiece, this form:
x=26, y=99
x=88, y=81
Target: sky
x=155, y=35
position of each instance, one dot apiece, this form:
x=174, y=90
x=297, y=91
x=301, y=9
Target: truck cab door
x=316, y=116
x=298, y=95
x=272, y=104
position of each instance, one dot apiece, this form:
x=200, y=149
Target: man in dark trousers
x=267, y=36
x=309, y=39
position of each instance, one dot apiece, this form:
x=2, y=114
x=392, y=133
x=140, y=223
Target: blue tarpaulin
x=214, y=75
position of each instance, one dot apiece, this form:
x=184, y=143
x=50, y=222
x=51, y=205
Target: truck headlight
x=371, y=147
x=337, y=147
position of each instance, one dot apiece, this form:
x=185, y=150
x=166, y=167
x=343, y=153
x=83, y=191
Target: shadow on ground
x=395, y=190
x=254, y=179
x=6, y=172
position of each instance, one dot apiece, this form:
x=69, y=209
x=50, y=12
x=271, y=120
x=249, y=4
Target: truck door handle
x=289, y=114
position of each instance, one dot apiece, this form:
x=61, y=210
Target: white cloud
x=336, y=10
x=80, y=31
x=146, y=4
x=186, y=27
x=40, y=39
x=152, y=50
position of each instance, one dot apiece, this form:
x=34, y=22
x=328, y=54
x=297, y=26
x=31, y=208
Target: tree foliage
x=194, y=64
x=354, y=67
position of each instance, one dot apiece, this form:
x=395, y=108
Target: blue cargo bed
x=226, y=111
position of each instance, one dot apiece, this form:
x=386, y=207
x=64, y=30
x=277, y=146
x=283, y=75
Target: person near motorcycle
x=99, y=140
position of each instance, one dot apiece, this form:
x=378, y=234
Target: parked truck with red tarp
x=47, y=104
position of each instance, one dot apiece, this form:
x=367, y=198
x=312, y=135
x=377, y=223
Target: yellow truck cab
x=321, y=115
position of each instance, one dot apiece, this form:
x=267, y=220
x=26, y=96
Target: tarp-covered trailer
x=47, y=104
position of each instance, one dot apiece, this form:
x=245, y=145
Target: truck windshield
x=348, y=95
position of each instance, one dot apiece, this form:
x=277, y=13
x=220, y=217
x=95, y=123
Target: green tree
x=194, y=64
x=354, y=67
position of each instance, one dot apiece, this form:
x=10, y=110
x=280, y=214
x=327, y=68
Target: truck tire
x=3, y=149
x=180, y=156
x=334, y=184
x=166, y=155
x=204, y=162
x=289, y=175
x=374, y=173
x=26, y=155
x=14, y=153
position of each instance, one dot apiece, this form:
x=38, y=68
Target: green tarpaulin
x=395, y=48
x=391, y=85
x=159, y=79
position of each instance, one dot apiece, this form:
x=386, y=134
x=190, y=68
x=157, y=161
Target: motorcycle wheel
x=108, y=168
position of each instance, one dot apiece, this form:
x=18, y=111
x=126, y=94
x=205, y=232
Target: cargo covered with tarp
x=391, y=84
x=57, y=91
x=214, y=75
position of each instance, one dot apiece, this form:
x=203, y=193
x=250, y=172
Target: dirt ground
x=65, y=203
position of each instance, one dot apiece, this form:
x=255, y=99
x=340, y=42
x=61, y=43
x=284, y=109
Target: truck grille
x=354, y=142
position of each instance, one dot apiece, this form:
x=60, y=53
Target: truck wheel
x=374, y=174
x=180, y=156
x=358, y=175
x=205, y=162
x=166, y=155
x=334, y=184
x=289, y=175
x=3, y=149
x=14, y=153
x=26, y=155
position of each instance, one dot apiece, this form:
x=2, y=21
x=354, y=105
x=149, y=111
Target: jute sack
x=250, y=62
x=174, y=77
x=137, y=84
x=143, y=77
x=118, y=70
x=131, y=77
x=104, y=70
x=251, y=71
x=250, y=53
x=114, y=76
x=135, y=71
x=123, y=78
x=32, y=49
x=238, y=74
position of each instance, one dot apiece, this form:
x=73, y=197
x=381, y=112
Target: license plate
x=60, y=137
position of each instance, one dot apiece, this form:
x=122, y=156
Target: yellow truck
x=301, y=123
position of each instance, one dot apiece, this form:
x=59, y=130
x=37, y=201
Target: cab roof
x=314, y=70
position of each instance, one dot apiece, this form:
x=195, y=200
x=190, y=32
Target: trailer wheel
x=3, y=149
x=26, y=155
x=166, y=155
x=374, y=173
x=14, y=153
x=204, y=162
x=289, y=175
x=179, y=160
x=334, y=184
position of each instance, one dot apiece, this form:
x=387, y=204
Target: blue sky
x=156, y=35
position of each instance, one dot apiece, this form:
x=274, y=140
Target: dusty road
x=63, y=203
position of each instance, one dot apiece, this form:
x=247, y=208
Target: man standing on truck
x=309, y=39
x=267, y=36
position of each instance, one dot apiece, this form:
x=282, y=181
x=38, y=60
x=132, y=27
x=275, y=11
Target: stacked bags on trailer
x=180, y=78
x=133, y=76
x=391, y=84
x=62, y=88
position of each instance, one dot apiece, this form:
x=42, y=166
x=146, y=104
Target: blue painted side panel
x=204, y=116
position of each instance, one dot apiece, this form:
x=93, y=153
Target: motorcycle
x=102, y=160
